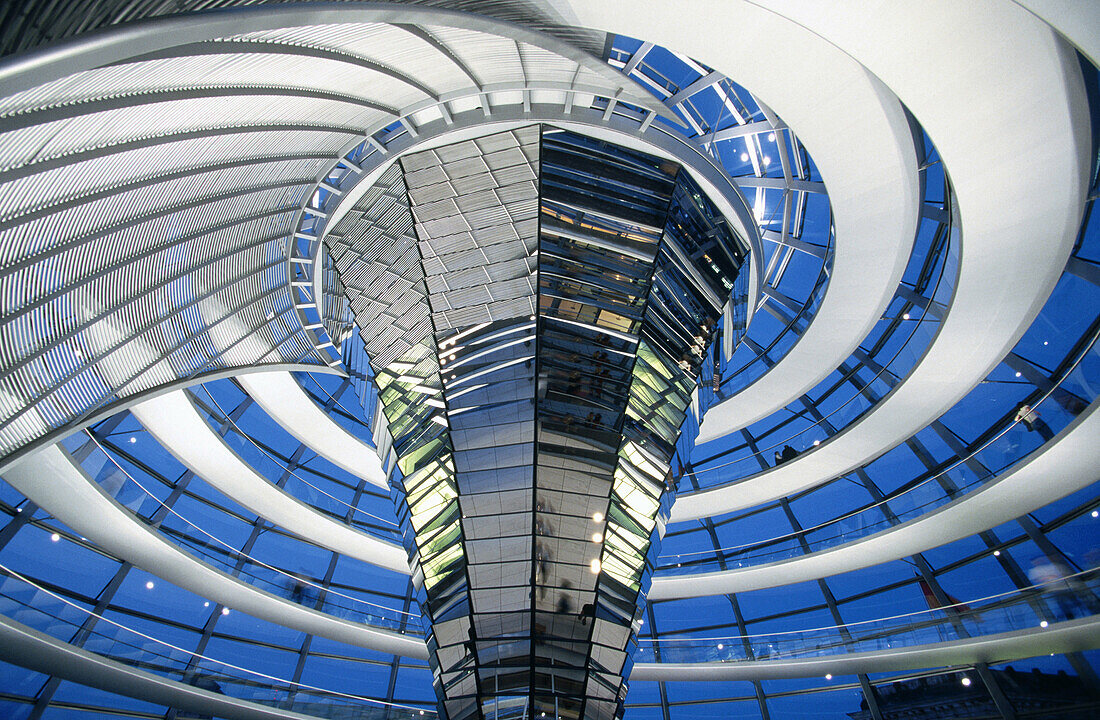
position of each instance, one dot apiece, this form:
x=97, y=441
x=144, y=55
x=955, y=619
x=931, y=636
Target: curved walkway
x=179, y=427
x=1066, y=465
x=980, y=137
x=51, y=480
x=281, y=397
x=37, y=651
x=1064, y=637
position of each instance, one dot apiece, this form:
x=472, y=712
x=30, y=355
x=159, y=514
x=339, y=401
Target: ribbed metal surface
x=30, y=23
x=145, y=205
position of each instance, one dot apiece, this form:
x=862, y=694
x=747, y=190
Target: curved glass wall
x=79, y=584
x=748, y=141
x=882, y=360
x=1052, y=370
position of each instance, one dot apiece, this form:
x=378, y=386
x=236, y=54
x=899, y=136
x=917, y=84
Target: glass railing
x=37, y=607
x=1034, y=608
x=1011, y=444
x=207, y=547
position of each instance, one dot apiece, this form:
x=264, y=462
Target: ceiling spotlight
x=996, y=553
x=133, y=439
x=597, y=537
x=744, y=157
x=597, y=516
x=594, y=566
x=1043, y=624
x=905, y=316
x=225, y=611
x=206, y=604
x=1096, y=513
x=149, y=585
x=816, y=443
x=771, y=137
x=829, y=676
x=721, y=646
x=767, y=160
x=966, y=681
x=55, y=537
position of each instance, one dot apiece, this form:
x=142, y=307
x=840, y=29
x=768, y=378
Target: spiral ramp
x=172, y=408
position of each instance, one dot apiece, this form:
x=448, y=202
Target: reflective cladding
x=537, y=307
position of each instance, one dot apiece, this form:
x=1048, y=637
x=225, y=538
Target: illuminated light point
x=133, y=439
x=905, y=316
x=721, y=646
x=206, y=604
x=771, y=137
x=594, y=566
x=1043, y=623
x=816, y=443
x=767, y=160
x=1096, y=513
x=225, y=611
x=1046, y=343
x=829, y=676
x=149, y=585
x=1018, y=374
x=996, y=553
x=597, y=537
x=598, y=517
x=744, y=157
x=55, y=537
x=966, y=681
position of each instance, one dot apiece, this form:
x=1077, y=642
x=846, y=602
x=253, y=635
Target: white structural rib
x=859, y=138
x=52, y=480
x=37, y=651
x=281, y=397
x=1079, y=22
x=958, y=95
x=1067, y=465
x=179, y=427
x=1064, y=637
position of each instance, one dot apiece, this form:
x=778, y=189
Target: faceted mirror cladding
x=537, y=306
